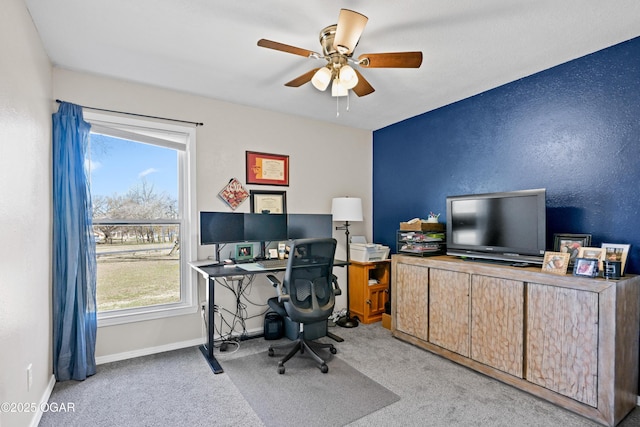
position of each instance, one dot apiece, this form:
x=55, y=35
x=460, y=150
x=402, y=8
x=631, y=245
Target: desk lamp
x=347, y=209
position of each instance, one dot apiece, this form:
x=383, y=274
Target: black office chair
x=306, y=294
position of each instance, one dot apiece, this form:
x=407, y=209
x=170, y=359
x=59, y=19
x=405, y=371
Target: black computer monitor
x=305, y=226
x=221, y=227
x=260, y=227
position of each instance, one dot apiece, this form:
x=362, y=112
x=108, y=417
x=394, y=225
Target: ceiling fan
x=338, y=42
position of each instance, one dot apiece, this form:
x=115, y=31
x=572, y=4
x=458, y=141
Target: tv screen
x=508, y=226
x=260, y=227
x=221, y=227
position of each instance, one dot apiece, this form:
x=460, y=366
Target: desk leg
x=208, y=353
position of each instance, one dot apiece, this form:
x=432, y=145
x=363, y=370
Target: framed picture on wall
x=570, y=244
x=273, y=202
x=267, y=169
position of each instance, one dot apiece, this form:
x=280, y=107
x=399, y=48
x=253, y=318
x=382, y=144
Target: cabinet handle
x=369, y=301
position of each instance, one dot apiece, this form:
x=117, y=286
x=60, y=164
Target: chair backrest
x=308, y=280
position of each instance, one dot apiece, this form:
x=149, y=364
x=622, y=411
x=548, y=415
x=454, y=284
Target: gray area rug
x=304, y=396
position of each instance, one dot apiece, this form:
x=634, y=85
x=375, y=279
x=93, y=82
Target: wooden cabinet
x=449, y=310
x=368, y=289
x=410, y=287
x=570, y=340
x=497, y=323
x=567, y=364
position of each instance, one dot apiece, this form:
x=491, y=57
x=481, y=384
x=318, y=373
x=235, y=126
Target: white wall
x=25, y=213
x=326, y=161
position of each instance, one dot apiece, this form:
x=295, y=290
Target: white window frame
x=183, y=138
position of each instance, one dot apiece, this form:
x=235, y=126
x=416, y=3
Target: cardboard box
x=422, y=226
x=368, y=252
x=386, y=321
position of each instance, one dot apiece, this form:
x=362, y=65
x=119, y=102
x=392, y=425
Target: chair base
x=301, y=345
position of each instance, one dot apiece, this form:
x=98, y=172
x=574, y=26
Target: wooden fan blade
x=363, y=87
x=285, y=48
x=305, y=78
x=348, y=31
x=391, y=60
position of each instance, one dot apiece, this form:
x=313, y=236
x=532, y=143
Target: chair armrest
x=273, y=279
x=282, y=296
x=334, y=282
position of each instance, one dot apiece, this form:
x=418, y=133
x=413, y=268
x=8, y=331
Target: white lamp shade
x=338, y=89
x=346, y=209
x=321, y=78
x=348, y=77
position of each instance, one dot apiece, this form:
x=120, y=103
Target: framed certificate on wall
x=267, y=169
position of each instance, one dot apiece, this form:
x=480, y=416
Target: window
x=142, y=189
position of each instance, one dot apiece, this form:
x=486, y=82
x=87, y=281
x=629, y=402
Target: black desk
x=210, y=272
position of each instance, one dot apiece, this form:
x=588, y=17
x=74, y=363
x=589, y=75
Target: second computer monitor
x=265, y=227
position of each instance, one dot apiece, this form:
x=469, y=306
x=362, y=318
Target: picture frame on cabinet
x=555, y=262
x=571, y=244
x=592, y=252
x=587, y=267
x=616, y=252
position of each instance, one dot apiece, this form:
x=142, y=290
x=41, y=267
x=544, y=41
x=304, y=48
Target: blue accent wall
x=573, y=129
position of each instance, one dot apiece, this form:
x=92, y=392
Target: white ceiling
x=208, y=47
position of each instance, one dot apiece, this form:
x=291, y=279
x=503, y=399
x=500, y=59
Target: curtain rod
x=137, y=115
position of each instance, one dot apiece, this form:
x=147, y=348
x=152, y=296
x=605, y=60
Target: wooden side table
x=368, y=289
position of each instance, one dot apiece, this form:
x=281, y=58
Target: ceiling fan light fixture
x=321, y=78
x=338, y=89
x=348, y=31
x=348, y=77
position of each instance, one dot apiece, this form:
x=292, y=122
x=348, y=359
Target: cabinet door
x=449, y=310
x=375, y=302
x=497, y=317
x=410, y=292
x=562, y=341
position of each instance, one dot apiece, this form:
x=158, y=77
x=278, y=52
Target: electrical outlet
x=29, y=376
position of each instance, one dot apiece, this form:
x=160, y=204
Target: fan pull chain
x=337, y=106
x=347, y=100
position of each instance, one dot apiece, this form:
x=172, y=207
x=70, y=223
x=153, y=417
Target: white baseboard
x=43, y=400
x=147, y=351
x=162, y=348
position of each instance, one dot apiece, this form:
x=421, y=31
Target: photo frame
x=244, y=252
x=592, y=252
x=587, y=267
x=616, y=252
x=571, y=244
x=555, y=262
x=267, y=169
x=273, y=202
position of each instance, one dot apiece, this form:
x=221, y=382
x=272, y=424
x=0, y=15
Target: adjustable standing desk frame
x=210, y=273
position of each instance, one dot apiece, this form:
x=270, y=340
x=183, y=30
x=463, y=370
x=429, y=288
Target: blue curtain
x=74, y=249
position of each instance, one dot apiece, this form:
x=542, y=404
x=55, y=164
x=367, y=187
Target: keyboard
x=268, y=264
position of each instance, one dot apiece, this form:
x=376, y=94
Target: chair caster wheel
x=333, y=350
x=324, y=368
x=281, y=369
x=271, y=353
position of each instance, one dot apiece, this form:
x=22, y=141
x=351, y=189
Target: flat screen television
x=505, y=226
